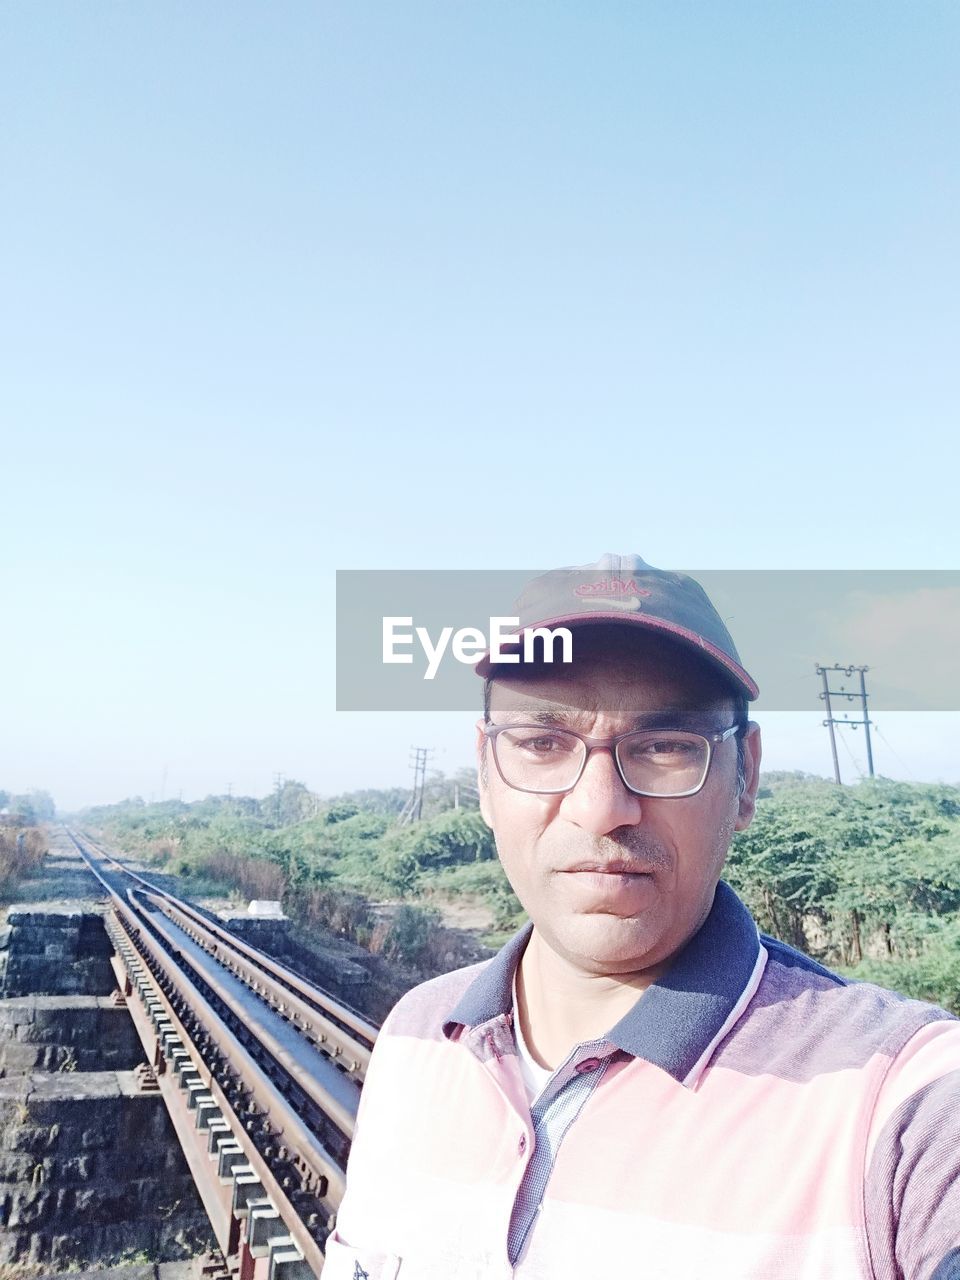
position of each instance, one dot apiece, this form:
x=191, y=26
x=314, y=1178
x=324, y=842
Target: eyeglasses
x=651, y=762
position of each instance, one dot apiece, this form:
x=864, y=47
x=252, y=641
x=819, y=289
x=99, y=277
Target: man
x=637, y=1084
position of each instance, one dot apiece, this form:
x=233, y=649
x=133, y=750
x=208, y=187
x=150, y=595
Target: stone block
x=16, y=1166
x=30, y=939
x=34, y=1139
x=94, y=941
x=63, y=1249
x=17, y=1059
x=28, y=1207
x=52, y=954
x=85, y=1202
x=96, y=1140
x=15, y=1014
x=189, y=1270
x=76, y=1096
x=184, y=1236
x=37, y=1249
x=125, y=1271
x=79, y=1169
x=36, y=914
x=13, y=1103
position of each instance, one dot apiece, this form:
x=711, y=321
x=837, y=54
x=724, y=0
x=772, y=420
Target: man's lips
x=615, y=868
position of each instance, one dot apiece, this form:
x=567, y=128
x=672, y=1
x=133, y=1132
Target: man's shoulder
x=804, y=969
x=422, y=1010
x=794, y=972
x=804, y=1018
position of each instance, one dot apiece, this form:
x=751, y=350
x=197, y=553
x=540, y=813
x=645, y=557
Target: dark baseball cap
x=628, y=591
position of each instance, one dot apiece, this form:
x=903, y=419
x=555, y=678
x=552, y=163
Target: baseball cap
x=627, y=590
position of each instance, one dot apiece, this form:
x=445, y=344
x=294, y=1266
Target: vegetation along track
x=260, y=1069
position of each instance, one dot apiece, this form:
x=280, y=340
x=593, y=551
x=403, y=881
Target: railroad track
x=260, y=1070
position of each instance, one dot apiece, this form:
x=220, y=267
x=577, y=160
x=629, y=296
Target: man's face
x=614, y=882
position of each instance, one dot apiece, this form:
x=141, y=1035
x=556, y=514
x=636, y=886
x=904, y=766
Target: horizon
x=852, y=767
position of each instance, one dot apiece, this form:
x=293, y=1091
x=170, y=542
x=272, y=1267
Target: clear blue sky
x=297, y=287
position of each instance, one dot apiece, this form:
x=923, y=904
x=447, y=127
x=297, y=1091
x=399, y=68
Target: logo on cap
x=612, y=587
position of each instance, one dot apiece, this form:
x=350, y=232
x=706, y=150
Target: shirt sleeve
x=357, y=1214
x=912, y=1186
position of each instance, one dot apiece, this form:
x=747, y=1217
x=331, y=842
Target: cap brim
x=716, y=657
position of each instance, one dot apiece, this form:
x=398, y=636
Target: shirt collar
x=679, y=1017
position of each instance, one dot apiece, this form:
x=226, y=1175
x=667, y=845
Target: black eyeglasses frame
x=492, y=731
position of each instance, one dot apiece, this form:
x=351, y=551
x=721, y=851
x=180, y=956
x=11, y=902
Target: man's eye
x=544, y=744
x=667, y=748
x=662, y=749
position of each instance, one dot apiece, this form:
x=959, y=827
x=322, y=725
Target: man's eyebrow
x=679, y=717
x=559, y=717
x=534, y=712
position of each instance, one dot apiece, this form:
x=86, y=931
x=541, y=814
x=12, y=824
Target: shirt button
x=588, y=1064
x=522, y=1144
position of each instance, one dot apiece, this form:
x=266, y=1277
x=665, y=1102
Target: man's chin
x=604, y=943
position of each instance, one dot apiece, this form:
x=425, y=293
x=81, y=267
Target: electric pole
x=413, y=809
x=831, y=721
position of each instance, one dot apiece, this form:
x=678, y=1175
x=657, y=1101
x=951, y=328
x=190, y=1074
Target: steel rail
x=326, y=1007
x=199, y=1006
x=323, y=1176
x=338, y=1044
x=342, y=1116
x=326, y=1176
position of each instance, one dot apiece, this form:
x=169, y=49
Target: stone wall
x=90, y=1170
x=66, y=1033
x=55, y=950
x=90, y=1167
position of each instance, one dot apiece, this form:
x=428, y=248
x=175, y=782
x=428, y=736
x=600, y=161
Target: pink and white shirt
x=754, y=1117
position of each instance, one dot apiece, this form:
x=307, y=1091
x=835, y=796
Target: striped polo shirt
x=753, y=1117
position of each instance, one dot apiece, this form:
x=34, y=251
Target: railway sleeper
x=264, y=1225
x=218, y=1131
x=247, y=1187
x=230, y=1155
x=287, y=1262
x=207, y=1111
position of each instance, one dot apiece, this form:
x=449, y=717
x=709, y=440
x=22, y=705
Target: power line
x=883, y=738
x=853, y=758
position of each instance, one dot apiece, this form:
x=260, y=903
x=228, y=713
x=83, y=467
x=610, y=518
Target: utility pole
x=277, y=789
x=827, y=693
x=461, y=788
x=413, y=809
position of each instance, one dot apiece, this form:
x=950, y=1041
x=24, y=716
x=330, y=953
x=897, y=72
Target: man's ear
x=482, y=774
x=751, y=776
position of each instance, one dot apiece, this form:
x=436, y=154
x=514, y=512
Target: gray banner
x=407, y=641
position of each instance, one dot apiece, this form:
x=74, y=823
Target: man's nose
x=600, y=802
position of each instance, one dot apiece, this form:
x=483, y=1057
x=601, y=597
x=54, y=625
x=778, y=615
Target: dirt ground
x=472, y=917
